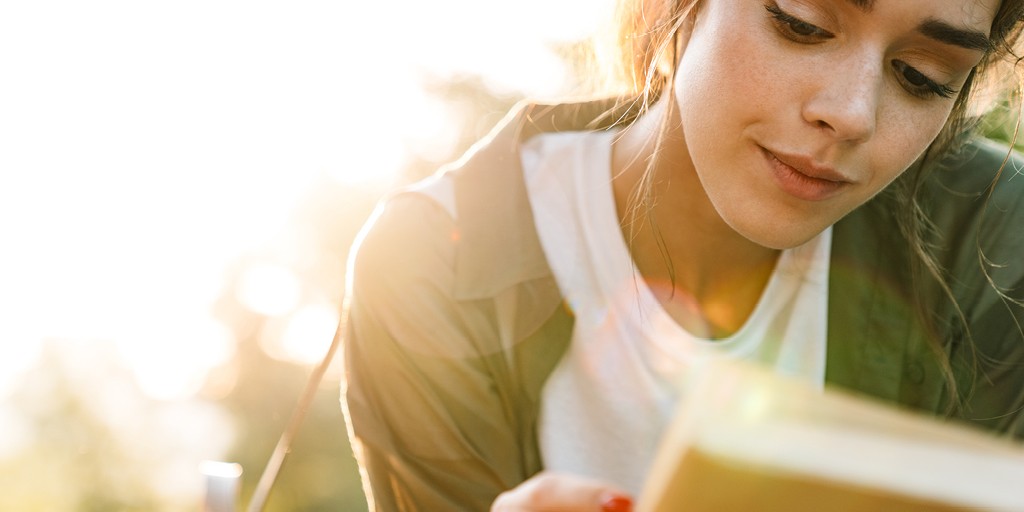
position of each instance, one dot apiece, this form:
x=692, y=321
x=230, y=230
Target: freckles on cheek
x=907, y=134
x=759, y=77
x=730, y=85
x=914, y=148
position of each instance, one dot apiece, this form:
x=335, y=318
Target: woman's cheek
x=907, y=132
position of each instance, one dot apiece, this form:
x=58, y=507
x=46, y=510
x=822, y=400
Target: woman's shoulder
x=408, y=239
x=983, y=174
x=453, y=250
x=976, y=202
x=469, y=229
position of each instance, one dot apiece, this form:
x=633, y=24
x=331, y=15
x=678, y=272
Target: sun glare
x=153, y=154
x=172, y=361
x=304, y=336
x=269, y=289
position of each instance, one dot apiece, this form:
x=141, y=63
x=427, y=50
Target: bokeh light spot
x=269, y=289
x=305, y=336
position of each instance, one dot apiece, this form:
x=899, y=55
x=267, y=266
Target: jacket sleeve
x=425, y=402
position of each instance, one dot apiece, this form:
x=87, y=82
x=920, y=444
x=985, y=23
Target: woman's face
x=795, y=112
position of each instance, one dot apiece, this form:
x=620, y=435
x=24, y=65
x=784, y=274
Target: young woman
x=789, y=182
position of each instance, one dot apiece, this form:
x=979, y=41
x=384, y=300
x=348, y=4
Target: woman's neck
x=705, y=274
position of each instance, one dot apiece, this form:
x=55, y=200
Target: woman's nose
x=844, y=103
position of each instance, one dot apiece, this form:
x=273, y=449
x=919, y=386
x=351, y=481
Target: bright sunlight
x=171, y=174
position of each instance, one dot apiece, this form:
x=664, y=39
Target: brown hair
x=638, y=60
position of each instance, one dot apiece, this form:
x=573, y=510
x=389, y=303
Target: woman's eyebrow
x=864, y=5
x=946, y=33
x=942, y=31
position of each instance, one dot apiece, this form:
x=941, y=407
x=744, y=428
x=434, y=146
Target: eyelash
x=912, y=80
x=796, y=28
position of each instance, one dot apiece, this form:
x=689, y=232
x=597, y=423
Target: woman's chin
x=778, y=235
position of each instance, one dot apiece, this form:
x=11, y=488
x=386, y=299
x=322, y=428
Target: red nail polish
x=617, y=504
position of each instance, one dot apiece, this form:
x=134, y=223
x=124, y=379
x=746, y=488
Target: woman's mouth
x=800, y=177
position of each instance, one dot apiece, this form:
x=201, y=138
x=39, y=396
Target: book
x=749, y=439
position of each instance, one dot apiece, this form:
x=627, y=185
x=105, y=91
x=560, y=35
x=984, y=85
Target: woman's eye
x=796, y=28
x=918, y=83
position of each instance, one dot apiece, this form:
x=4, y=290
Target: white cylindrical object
x=222, y=484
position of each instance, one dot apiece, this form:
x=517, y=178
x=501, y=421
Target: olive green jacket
x=454, y=322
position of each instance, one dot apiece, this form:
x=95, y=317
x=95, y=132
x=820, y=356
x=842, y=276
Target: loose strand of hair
x=985, y=262
x=915, y=226
x=643, y=200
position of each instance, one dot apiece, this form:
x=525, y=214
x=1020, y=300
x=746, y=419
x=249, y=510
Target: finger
x=551, y=492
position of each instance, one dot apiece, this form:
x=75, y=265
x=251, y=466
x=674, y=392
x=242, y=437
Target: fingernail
x=616, y=503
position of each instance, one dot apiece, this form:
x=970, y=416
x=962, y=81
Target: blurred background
x=180, y=183
x=179, y=186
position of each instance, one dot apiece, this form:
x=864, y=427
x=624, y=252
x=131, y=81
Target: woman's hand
x=549, y=491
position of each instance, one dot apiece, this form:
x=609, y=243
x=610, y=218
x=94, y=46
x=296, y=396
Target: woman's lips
x=800, y=177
